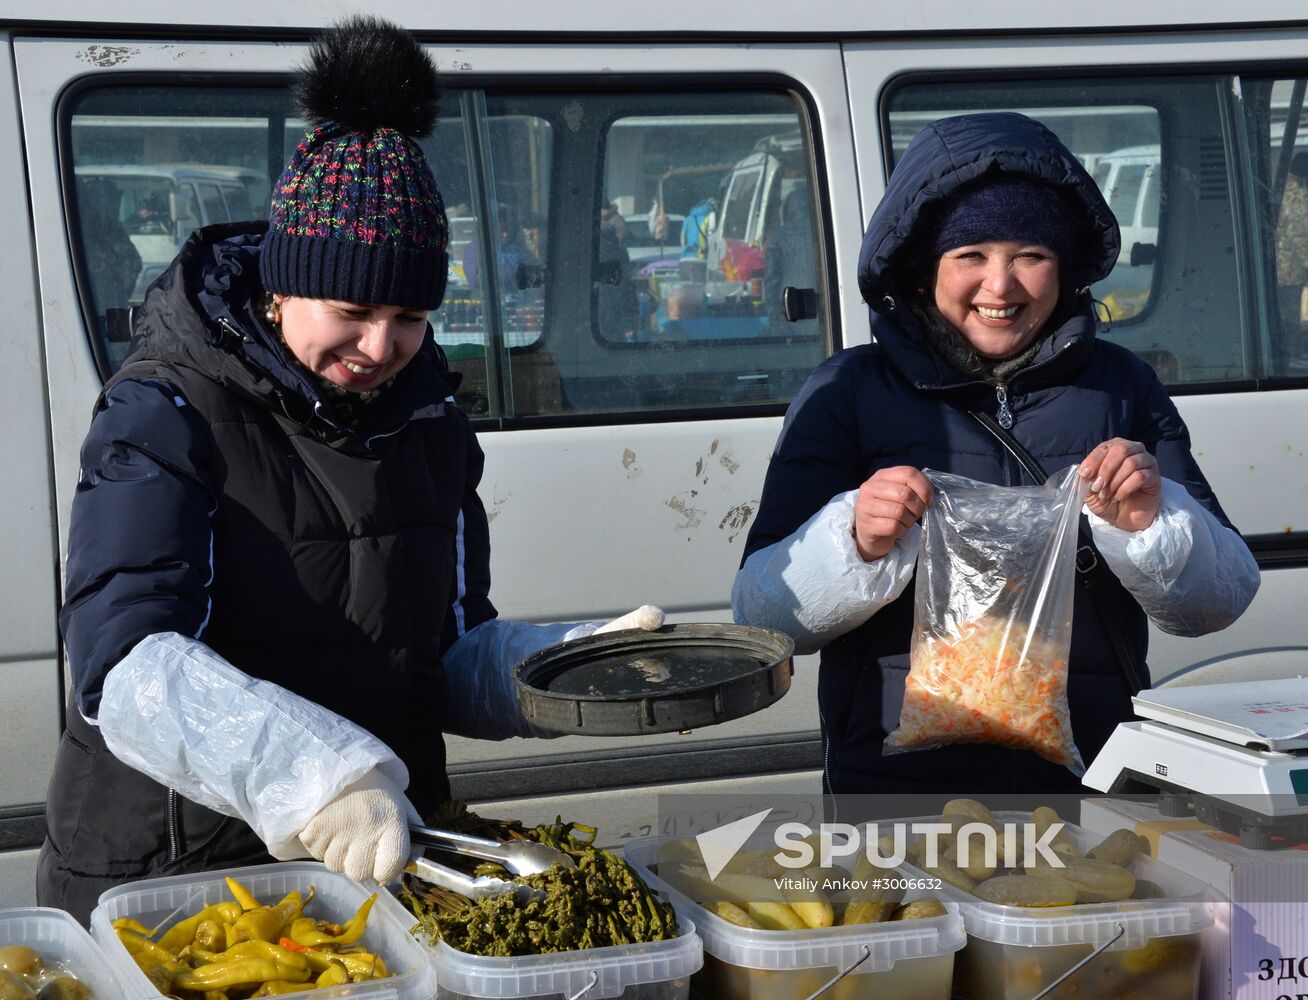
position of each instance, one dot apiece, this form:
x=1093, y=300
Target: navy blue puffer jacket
x=898, y=403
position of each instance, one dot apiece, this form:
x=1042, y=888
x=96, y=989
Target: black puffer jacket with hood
x=899, y=403
x=221, y=499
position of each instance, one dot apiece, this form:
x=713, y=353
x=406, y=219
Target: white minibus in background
x=627, y=371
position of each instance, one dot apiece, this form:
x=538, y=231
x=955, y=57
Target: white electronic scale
x=1237, y=752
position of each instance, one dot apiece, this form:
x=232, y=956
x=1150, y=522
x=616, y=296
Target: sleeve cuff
x=814, y=586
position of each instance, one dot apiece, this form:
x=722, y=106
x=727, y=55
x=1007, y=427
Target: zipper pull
x=1005, y=414
x=228, y=328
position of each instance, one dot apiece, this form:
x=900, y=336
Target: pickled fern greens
x=599, y=903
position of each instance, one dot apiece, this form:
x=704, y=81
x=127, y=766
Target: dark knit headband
x=1000, y=207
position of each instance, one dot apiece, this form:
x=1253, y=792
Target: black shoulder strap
x=1089, y=567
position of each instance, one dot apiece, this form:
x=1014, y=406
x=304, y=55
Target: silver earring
x=273, y=314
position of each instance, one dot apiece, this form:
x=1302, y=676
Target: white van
x=1131, y=182
x=159, y=205
x=626, y=419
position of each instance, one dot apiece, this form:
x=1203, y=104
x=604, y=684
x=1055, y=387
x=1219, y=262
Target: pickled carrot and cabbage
x=988, y=683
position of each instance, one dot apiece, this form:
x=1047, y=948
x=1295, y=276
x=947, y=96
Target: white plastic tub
x=337, y=898
x=1013, y=952
x=910, y=960
x=62, y=941
x=654, y=970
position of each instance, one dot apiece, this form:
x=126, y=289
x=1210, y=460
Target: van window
x=650, y=282
x=490, y=165
x=1123, y=192
x=740, y=201
x=148, y=164
x=1280, y=154
x=212, y=199
x=1210, y=189
x=707, y=216
x=238, y=202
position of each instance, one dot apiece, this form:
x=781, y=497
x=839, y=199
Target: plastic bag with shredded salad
x=993, y=618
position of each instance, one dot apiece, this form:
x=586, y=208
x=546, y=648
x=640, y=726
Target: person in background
x=513, y=249
x=697, y=227
x=277, y=590
x=657, y=221
x=113, y=262
x=616, y=305
x=790, y=259
x=977, y=265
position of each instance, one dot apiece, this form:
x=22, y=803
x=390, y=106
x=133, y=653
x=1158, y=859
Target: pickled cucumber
x=775, y=916
x=1120, y=848
x=814, y=913
x=871, y=905
x=977, y=868
x=64, y=988
x=1043, y=817
x=14, y=987
x=20, y=960
x=958, y=822
x=733, y=914
x=971, y=807
x=920, y=909
x=1095, y=881
x=1027, y=890
x=952, y=874
x=863, y=911
x=1066, y=850
x=914, y=849
x=1159, y=953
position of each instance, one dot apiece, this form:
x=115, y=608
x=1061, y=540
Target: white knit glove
x=647, y=617
x=364, y=831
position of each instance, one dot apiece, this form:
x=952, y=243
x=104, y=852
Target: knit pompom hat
x=357, y=216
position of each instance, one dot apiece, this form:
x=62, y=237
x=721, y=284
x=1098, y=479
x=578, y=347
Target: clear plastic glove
x=483, y=702
x=364, y=831
x=179, y=713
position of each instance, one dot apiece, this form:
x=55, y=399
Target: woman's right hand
x=888, y=504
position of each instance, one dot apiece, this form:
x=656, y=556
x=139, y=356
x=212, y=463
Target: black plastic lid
x=635, y=682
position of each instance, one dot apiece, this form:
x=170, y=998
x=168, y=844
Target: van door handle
x=799, y=303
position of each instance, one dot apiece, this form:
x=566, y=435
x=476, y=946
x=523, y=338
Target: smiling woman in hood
x=977, y=265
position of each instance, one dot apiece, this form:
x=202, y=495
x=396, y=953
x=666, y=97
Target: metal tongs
x=520, y=857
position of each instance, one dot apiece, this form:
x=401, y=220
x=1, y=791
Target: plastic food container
x=1013, y=952
x=172, y=899
x=654, y=970
x=912, y=960
x=62, y=941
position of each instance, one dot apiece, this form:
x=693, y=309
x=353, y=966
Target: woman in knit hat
x=277, y=586
x=977, y=266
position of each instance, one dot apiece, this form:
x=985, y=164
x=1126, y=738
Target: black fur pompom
x=367, y=74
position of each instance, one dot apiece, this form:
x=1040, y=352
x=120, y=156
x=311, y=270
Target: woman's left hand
x=1124, y=484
